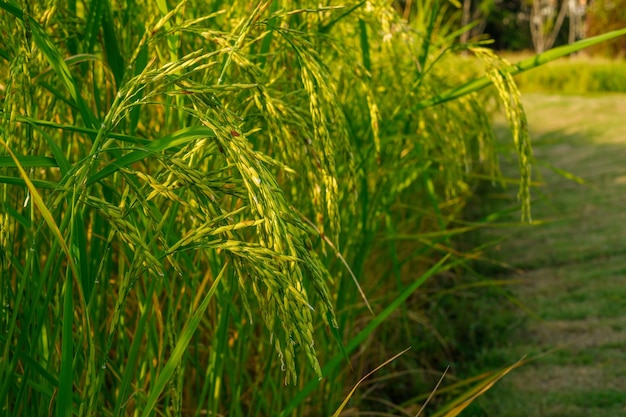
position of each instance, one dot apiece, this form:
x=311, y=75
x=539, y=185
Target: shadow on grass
x=573, y=273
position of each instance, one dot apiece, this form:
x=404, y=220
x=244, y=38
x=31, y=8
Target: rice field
x=241, y=208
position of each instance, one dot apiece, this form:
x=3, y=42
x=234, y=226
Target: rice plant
x=198, y=199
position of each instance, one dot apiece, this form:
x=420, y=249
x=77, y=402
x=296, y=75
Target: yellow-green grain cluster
x=510, y=97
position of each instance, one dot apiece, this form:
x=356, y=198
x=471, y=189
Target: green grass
x=572, y=278
x=227, y=209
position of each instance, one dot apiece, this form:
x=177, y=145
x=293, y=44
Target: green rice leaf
x=514, y=69
x=47, y=185
x=181, y=347
x=28, y=162
x=79, y=129
x=78, y=246
x=173, y=140
x=59, y=157
x=66, y=377
x=111, y=45
x=94, y=19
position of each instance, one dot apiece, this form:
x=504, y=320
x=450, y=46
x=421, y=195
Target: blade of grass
x=432, y=393
x=94, y=19
x=459, y=404
x=66, y=377
x=563, y=173
x=345, y=401
x=78, y=246
x=59, y=157
x=28, y=162
x=181, y=346
x=173, y=140
x=86, y=130
x=46, y=185
x=514, y=69
x=328, y=26
x=111, y=45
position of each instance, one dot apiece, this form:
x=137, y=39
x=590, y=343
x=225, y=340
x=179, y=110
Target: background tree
x=476, y=11
x=577, y=9
x=525, y=24
x=546, y=22
x=508, y=25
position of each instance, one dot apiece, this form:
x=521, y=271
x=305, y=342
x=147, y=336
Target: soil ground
x=572, y=267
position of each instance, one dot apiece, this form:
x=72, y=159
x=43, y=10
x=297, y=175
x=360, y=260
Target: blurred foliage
x=576, y=75
x=605, y=15
x=506, y=23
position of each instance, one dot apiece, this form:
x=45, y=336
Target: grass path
x=572, y=268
